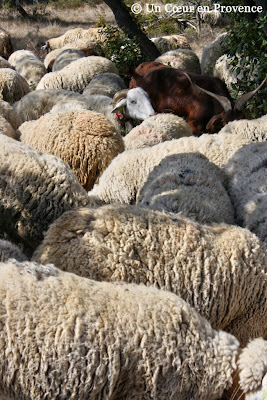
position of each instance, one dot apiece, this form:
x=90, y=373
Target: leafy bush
x=120, y=49
x=246, y=43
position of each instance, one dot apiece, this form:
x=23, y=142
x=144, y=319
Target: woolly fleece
x=171, y=42
x=255, y=129
x=8, y=112
x=12, y=85
x=71, y=338
x=218, y=270
x=30, y=67
x=184, y=59
x=10, y=250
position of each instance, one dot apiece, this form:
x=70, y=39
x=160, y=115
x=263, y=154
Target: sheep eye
x=133, y=102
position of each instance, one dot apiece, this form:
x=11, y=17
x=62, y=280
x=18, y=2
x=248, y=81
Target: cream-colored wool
x=30, y=67
x=4, y=63
x=6, y=47
x=67, y=337
x=6, y=128
x=8, y=112
x=255, y=129
x=218, y=269
x=10, y=250
x=171, y=42
x=35, y=189
x=129, y=171
x=211, y=53
x=85, y=140
x=77, y=75
x=92, y=34
x=156, y=129
x=247, y=172
x=106, y=84
x=183, y=59
x=12, y=85
x=39, y=102
x=188, y=184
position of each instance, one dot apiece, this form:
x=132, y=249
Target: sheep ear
x=241, y=101
x=122, y=103
x=224, y=101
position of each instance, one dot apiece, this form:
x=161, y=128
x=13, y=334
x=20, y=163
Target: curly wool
x=35, y=189
x=77, y=75
x=129, y=171
x=171, y=42
x=92, y=34
x=183, y=59
x=8, y=112
x=6, y=128
x=188, y=184
x=12, y=85
x=218, y=270
x=156, y=129
x=30, y=67
x=81, y=339
x=10, y=250
x=85, y=140
x=247, y=172
x=255, y=129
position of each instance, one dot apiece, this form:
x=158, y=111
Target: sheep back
x=12, y=85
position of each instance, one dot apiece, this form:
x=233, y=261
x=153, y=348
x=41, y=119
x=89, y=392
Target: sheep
x=188, y=184
x=10, y=250
x=106, y=84
x=85, y=140
x=4, y=63
x=184, y=59
x=74, y=338
x=247, y=187
x=6, y=128
x=65, y=57
x=156, y=129
x=220, y=270
x=222, y=70
x=92, y=34
x=171, y=42
x=253, y=128
x=8, y=112
x=12, y=85
x=211, y=53
x=77, y=75
x=129, y=171
x=35, y=189
x=6, y=46
x=30, y=67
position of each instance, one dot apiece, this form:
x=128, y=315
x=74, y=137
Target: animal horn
x=122, y=94
x=224, y=101
x=241, y=101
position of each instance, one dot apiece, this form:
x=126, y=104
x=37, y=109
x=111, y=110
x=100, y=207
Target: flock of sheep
x=132, y=268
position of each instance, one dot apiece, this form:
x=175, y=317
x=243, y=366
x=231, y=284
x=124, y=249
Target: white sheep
x=12, y=85
x=65, y=57
x=210, y=54
x=106, y=84
x=71, y=36
x=85, y=140
x=128, y=171
x=35, y=189
x=220, y=270
x=184, y=59
x=10, y=250
x=6, y=128
x=255, y=129
x=77, y=75
x=188, y=184
x=156, y=129
x=8, y=112
x=74, y=338
x=30, y=67
x=247, y=172
x=171, y=42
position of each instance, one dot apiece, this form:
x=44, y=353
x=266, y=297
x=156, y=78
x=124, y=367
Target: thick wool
x=188, y=184
x=12, y=85
x=171, y=42
x=156, y=129
x=218, y=270
x=30, y=67
x=35, y=189
x=65, y=57
x=129, y=171
x=93, y=34
x=256, y=129
x=85, y=140
x=8, y=112
x=222, y=70
x=10, y=250
x=247, y=171
x=72, y=338
x=211, y=53
x=4, y=63
x=184, y=59
x=6, y=46
x=106, y=84
x=6, y=128
x=77, y=75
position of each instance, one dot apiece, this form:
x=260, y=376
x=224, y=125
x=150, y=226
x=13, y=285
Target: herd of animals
x=132, y=267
